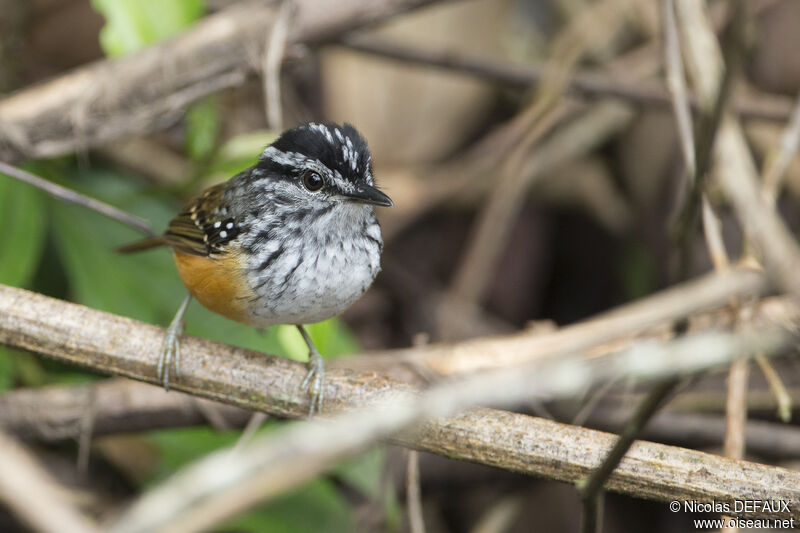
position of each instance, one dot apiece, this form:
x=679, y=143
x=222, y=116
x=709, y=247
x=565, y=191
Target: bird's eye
x=312, y=181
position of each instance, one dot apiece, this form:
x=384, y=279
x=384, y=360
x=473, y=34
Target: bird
x=291, y=240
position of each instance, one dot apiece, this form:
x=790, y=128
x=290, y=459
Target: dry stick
x=734, y=162
x=773, y=174
x=777, y=161
x=114, y=344
x=592, y=488
x=736, y=406
x=148, y=90
x=31, y=494
x=585, y=84
x=591, y=493
x=416, y=523
x=273, y=59
x=72, y=197
x=494, y=222
x=614, y=326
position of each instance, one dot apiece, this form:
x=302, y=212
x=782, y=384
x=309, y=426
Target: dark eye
x=312, y=181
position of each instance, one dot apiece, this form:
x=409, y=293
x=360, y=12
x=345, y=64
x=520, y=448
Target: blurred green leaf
x=331, y=337
x=316, y=507
x=364, y=472
x=7, y=370
x=134, y=24
x=638, y=272
x=202, y=126
x=237, y=154
x=23, y=219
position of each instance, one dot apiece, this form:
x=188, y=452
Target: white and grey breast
x=307, y=265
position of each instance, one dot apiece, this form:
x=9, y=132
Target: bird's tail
x=140, y=246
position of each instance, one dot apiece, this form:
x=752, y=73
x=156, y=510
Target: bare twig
x=273, y=59
x=584, y=84
x=72, y=197
x=782, y=396
x=734, y=163
x=416, y=522
x=32, y=495
x=778, y=160
x=736, y=410
x=591, y=489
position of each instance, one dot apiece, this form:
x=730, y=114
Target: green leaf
x=7, y=370
x=316, y=507
x=364, y=472
x=23, y=218
x=331, y=337
x=202, y=126
x=134, y=24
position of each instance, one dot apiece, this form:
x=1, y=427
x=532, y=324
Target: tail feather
x=140, y=246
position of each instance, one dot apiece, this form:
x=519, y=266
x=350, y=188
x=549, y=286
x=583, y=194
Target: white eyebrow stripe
x=299, y=160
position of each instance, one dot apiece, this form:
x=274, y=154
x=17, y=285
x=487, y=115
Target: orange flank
x=217, y=283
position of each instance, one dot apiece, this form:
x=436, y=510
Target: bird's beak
x=366, y=194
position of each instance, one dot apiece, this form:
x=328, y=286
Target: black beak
x=366, y=194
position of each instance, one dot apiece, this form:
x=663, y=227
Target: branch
x=31, y=493
x=617, y=327
x=114, y=344
x=735, y=167
x=584, y=84
x=140, y=93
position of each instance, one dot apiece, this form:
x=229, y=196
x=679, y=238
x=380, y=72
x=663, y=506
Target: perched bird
x=291, y=240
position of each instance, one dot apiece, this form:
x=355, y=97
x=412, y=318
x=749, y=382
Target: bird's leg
x=171, y=347
x=314, y=381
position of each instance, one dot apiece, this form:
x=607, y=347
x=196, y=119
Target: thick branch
x=142, y=92
x=118, y=345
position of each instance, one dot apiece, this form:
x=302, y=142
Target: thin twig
x=782, y=396
x=777, y=161
x=72, y=197
x=416, y=522
x=591, y=489
x=736, y=169
x=31, y=494
x=584, y=84
x=273, y=59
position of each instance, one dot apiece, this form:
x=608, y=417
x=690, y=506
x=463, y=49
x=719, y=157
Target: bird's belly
x=302, y=287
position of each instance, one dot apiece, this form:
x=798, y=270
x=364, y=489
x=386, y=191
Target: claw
x=171, y=346
x=170, y=354
x=314, y=382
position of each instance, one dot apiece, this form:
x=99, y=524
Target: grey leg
x=314, y=381
x=170, y=347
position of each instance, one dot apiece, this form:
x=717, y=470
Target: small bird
x=291, y=240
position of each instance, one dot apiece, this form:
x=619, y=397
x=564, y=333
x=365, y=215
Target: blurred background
x=517, y=205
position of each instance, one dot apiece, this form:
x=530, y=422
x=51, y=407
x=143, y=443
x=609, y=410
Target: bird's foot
x=170, y=353
x=314, y=382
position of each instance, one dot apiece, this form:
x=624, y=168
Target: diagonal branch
x=148, y=90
